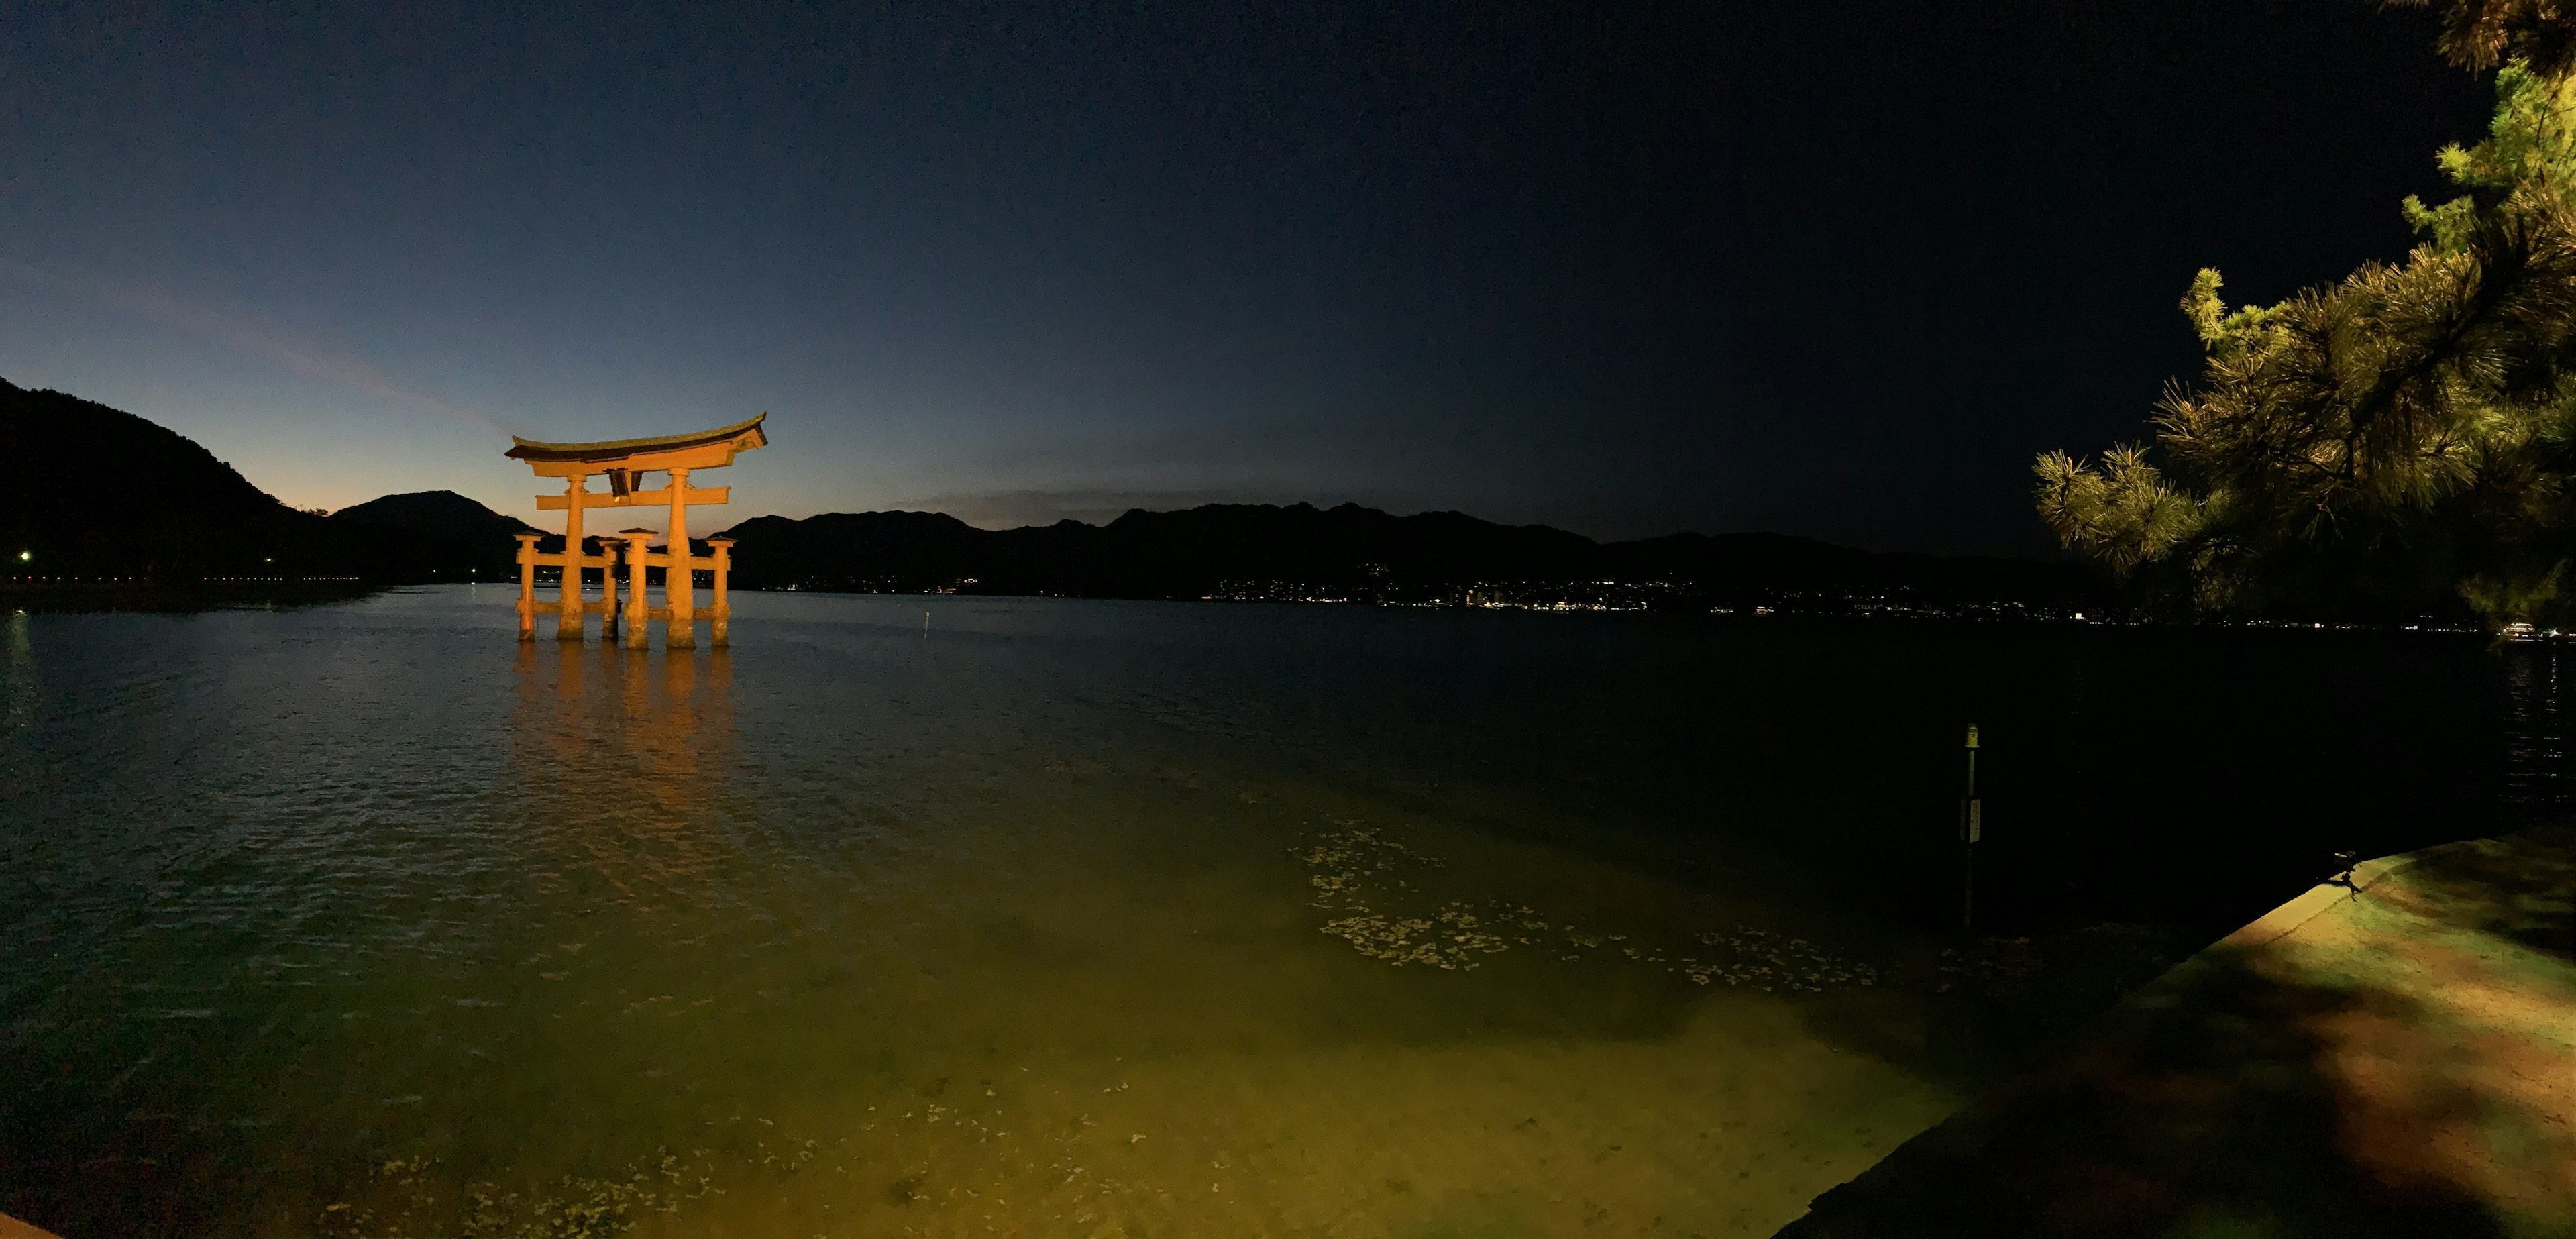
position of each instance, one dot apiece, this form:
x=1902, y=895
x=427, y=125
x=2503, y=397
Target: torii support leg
x=568, y=620
x=610, y=616
x=527, y=587
x=722, y=614
x=637, y=630
x=680, y=581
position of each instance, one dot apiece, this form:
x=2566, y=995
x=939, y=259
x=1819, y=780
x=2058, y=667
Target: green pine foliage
x=2479, y=35
x=2394, y=444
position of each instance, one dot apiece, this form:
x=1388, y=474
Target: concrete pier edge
x=2393, y=1057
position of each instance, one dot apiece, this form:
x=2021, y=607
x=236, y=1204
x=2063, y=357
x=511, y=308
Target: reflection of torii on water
x=623, y=461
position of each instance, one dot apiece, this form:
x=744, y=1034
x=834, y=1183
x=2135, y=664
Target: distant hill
x=98, y=492
x=440, y=514
x=1362, y=554
x=80, y=469
x=450, y=537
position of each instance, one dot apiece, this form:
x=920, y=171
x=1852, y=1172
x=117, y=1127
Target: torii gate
x=624, y=461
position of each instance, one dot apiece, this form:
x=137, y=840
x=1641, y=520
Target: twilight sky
x=1832, y=267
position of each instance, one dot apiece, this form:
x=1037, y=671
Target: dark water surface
x=1121, y=918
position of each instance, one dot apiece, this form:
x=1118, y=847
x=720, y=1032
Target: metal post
x=1971, y=827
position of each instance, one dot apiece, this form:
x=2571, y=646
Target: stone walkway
x=12, y=1228
x=2397, y=1058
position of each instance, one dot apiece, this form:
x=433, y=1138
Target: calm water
x=1077, y=918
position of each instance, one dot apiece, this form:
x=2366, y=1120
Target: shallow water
x=1108, y=918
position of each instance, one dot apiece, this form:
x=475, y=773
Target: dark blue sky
x=1824, y=267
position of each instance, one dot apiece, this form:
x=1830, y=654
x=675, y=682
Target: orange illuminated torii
x=624, y=461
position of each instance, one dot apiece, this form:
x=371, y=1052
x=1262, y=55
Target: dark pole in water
x=1971, y=826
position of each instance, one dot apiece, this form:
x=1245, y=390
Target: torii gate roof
x=704, y=449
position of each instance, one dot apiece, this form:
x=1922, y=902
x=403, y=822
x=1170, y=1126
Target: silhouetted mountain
x=440, y=514
x=1351, y=552
x=450, y=537
x=97, y=492
x=900, y=552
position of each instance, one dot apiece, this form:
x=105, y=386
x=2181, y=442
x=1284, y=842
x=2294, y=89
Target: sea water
x=964, y=916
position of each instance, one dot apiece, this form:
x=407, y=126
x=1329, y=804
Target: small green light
x=24, y=556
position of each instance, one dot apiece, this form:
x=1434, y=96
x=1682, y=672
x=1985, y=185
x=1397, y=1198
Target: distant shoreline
x=219, y=594
x=163, y=597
